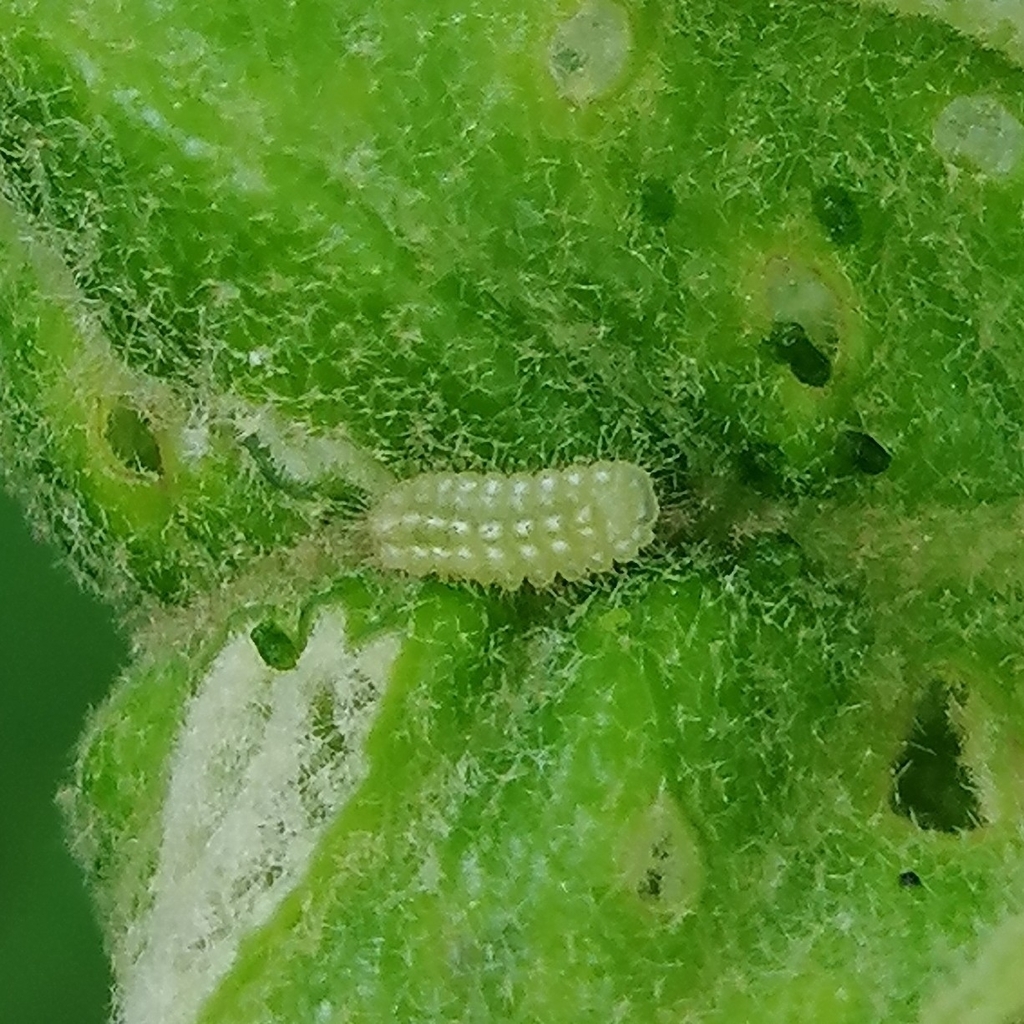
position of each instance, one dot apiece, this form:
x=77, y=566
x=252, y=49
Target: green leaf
x=258, y=264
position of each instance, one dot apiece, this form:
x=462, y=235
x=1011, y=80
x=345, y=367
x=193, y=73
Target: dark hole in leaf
x=910, y=879
x=789, y=344
x=836, y=210
x=864, y=453
x=930, y=785
x=657, y=201
x=275, y=646
x=132, y=440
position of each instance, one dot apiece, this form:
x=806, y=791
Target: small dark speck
x=651, y=884
x=910, y=880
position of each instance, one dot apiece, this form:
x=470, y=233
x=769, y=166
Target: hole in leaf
x=789, y=344
x=275, y=646
x=910, y=880
x=836, y=210
x=864, y=453
x=657, y=201
x=131, y=439
x=930, y=785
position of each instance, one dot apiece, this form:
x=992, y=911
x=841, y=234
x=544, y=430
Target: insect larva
x=503, y=529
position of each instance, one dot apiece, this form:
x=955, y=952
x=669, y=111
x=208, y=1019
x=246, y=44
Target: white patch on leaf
x=306, y=455
x=980, y=130
x=589, y=51
x=263, y=763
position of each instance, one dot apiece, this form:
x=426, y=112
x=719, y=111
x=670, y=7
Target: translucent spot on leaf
x=661, y=861
x=589, y=51
x=131, y=439
x=797, y=293
x=982, y=131
x=987, y=986
x=930, y=784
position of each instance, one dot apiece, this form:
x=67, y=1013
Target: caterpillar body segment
x=492, y=528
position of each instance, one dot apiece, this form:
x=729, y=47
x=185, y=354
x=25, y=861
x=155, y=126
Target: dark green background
x=59, y=653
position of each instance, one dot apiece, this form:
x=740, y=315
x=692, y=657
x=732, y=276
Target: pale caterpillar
x=491, y=528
